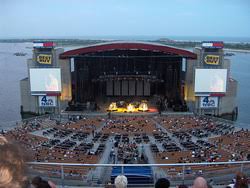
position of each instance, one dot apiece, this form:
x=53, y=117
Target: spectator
x=51, y=184
x=121, y=181
x=182, y=186
x=3, y=140
x=200, y=182
x=38, y=182
x=12, y=165
x=241, y=181
x=43, y=184
x=162, y=183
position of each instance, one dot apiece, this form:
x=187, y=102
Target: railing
x=242, y=166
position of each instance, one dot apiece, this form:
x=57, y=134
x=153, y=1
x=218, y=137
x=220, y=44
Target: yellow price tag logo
x=212, y=59
x=44, y=59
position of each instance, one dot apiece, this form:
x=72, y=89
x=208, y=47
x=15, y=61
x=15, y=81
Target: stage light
x=112, y=107
x=143, y=107
x=130, y=108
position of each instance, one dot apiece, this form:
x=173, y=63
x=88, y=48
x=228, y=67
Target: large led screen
x=210, y=80
x=45, y=80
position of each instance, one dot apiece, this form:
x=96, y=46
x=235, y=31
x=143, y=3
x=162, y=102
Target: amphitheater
x=92, y=149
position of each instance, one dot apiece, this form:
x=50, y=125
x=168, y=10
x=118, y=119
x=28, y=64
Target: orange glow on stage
x=131, y=107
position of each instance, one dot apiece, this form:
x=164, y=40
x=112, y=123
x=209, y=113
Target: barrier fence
x=242, y=166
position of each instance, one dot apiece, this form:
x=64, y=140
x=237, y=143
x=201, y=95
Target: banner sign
x=43, y=44
x=212, y=44
x=44, y=59
x=208, y=102
x=47, y=101
x=212, y=59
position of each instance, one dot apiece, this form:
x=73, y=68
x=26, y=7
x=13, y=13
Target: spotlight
x=112, y=107
x=143, y=107
x=130, y=108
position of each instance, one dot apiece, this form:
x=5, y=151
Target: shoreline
x=236, y=50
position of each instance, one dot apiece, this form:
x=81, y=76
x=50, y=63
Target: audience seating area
x=130, y=125
x=170, y=140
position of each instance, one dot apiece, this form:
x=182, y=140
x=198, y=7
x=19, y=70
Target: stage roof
x=145, y=46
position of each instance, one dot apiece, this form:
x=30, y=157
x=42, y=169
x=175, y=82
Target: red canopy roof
x=128, y=46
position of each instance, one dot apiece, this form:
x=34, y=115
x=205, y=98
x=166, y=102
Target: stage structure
x=96, y=76
x=127, y=71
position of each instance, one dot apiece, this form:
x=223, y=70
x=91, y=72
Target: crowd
x=128, y=153
x=129, y=125
x=185, y=141
x=238, y=142
x=64, y=143
x=195, y=145
x=13, y=173
x=84, y=124
x=196, y=125
x=240, y=181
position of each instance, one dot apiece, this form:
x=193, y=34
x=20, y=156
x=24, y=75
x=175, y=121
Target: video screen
x=45, y=80
x=210, y=80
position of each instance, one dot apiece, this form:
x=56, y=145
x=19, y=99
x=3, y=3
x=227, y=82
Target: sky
x=79, y=18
